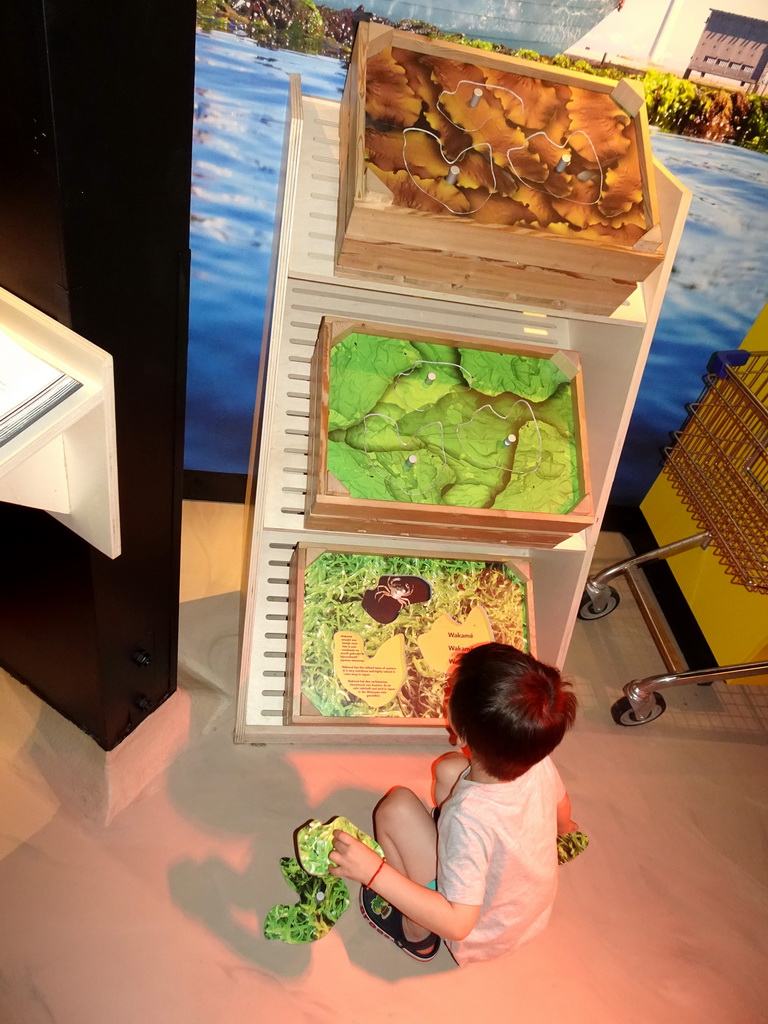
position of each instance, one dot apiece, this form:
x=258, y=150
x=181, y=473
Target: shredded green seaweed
x=323, y=897
x=334, y=584
x=322, y=901
x=571, y=845
x=315, y=842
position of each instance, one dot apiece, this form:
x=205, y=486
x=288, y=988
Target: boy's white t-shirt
x=497, y=848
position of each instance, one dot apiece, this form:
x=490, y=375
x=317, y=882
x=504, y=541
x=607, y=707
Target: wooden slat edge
x=500, y=62
x=585, y=506
x=292, y=701
x=352, y=134
x=645, y=156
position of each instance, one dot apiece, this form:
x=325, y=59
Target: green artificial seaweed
x=367, y=365
x=322, y=901
x=434, y=424
x=315, y=842
x=527, y=376
x=323, y=897
x=571, y=845
x=386, y=476
x=543, y=480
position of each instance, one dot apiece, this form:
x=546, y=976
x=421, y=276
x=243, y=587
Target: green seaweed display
x=412, y=421
x=334, y=587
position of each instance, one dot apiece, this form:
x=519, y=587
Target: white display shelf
x=66, y=461
x=613, y=352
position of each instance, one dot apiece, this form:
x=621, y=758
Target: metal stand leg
x=643, y=703
x=600, y=599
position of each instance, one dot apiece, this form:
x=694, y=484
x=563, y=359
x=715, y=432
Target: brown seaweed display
x=461, y=140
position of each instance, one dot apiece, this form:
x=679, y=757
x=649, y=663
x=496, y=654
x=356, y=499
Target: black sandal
x=387, y=920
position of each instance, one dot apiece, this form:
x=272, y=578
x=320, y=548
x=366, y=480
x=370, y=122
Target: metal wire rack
x=719, y=467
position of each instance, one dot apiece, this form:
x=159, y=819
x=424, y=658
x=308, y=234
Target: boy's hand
x=570, y=827
x=352, y=859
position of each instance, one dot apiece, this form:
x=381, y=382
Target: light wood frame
x=456, y=255
x=329, y=509
x=304, y=555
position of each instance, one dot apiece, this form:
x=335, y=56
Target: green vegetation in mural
x=433, y=424
x=675, y=104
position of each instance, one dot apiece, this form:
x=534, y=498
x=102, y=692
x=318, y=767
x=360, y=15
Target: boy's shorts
x=432, y=885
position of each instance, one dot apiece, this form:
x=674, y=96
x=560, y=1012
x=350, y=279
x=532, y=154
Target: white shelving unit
x=66, y=461
x=613, y=350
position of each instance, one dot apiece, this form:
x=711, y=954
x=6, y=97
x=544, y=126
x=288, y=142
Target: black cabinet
x=96, y=133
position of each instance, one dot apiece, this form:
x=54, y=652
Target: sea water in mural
x=241, y=93
x=419, y=422
x=545, y=27
x=378, y=632
x=716, y=290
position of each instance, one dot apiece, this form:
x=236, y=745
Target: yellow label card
x=377, y=679
x=447, y=637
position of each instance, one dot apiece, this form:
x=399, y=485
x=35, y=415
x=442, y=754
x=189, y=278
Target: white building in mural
x=656, y=33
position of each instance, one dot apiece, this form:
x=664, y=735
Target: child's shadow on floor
x=232, y=902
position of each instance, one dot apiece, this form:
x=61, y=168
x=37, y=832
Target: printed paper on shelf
x=375, y=680
x=29, y=387
x=448, y=637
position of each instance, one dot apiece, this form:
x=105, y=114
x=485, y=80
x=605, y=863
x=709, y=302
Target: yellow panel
x=757, y=336
x=733, y=620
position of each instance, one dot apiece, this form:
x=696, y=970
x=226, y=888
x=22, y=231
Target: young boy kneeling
x=484, y=875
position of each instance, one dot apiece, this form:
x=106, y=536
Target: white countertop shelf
x=66, y=461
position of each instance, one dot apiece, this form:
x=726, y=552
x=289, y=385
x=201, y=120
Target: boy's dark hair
x=510, y=709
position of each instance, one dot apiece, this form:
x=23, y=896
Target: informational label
x=377, y=679
x=448, y=637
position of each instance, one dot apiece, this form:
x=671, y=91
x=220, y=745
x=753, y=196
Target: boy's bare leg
x=408, y=835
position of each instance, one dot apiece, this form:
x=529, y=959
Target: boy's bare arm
x=352, y=859
x=447, y=770
x=564, y=821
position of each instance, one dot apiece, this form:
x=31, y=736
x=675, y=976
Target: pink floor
x=156, y=917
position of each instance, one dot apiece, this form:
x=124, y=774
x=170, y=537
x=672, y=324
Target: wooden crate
x=510, y=227
x=390, y=672
x=336, y=501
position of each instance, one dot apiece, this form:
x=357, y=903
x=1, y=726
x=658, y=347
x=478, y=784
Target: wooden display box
x=419, y=434
x=372, y=632
x=469, y=172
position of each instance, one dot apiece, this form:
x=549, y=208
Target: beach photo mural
x=711, y=132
